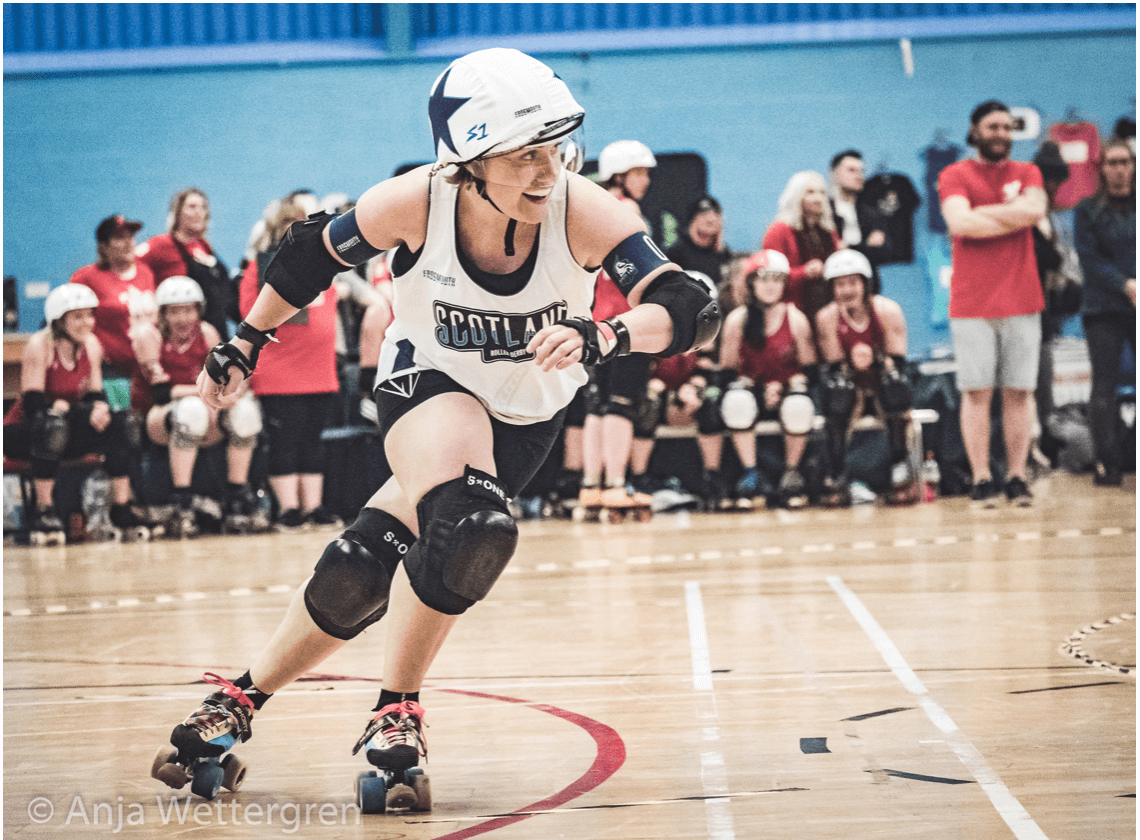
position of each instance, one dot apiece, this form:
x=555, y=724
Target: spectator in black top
x=701, y=244
x=847, y=179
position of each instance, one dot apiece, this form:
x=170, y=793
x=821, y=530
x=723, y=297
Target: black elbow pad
x=302, y=268
x=696, y=316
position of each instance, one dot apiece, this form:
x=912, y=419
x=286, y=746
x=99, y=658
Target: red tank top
x=182, y=366
x=873, y=335
x=60, y=383
x=676, y=370
x=608, y=299
x=777, y=362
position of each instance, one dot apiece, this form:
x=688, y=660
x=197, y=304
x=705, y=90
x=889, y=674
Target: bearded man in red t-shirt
x=991, y=204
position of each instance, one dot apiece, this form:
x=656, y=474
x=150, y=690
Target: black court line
x=870, y=715
x=1064, y=687
x=918, y=777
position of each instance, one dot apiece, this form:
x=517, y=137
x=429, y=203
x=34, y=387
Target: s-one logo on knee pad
x=400, y=546
x=486, y=484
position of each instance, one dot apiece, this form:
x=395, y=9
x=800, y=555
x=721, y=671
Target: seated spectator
x=804, y=232
x=1105, y=226
x=296, y=384
x=164, y=391
x=765, y=346
x=862, y=338
x=847, y=179
x=62, y=411
x=184, y=252
x=700, y=247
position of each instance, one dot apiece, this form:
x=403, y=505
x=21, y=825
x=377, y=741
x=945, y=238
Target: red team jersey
x=182, y=366
x=1079, y=144
x=995, y=277
x=873, y=335
x=61, y=383
x=777, y=361
x=118, y=299
x=163, y=258
x=675, y=371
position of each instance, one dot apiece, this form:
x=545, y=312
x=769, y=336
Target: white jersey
x=445, y=321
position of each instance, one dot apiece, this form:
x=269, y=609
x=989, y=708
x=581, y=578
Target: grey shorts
x=997, y=352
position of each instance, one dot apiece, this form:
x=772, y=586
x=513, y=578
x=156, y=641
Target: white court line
x=1010, y=810
x=698, y=636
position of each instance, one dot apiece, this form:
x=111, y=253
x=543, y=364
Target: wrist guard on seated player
x=225, y=355
x=591, y=345
x=695, y=315
x=302, y=267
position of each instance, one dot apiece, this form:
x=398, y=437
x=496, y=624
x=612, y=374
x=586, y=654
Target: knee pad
x=797, y=412
x=738, y=409
x=895, y=394
x=187, y=419
x=49, y=436
x=467, y=537
x=592, y=394
x=242, y=423
x=349, y=587
x=838, y=397
x=648, y=415
x=621, y=406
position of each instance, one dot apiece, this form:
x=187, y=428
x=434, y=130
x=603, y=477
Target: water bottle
x=931, y=478
x=96, y=503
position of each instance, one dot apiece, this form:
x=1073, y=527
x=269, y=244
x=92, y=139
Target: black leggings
x=82, y=439
x=293, y=426
x=1105, y=335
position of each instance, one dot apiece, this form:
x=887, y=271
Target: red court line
x=610, y=757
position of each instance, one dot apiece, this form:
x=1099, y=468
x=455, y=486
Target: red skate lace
x=228, y=688
x=212, y=719
x=398, y=724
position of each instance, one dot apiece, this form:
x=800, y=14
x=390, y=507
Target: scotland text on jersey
x=499, y=336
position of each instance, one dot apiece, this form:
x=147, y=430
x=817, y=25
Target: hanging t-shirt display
x=1080, y=148
x=938, y=157
x=887, y=203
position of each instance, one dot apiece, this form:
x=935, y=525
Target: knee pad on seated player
x=349, y=587
x=797, y=413
x=648, y=415
x=188, y=419
x=738, y=409
x=467, y=537
x=50, y=434
x=895, y=394
x=242, y=423
x=838, y=397
x=619, y=406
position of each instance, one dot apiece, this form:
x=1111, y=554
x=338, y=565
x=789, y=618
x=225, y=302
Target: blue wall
x=78, y=148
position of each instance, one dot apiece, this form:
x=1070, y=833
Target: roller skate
x=589, y=507
x=714, y=491
x=752, y=489
x=836, y=493
x=792, y=490
x=394, y=743
x=562, y=500
x=199, y=754
x=46, y=528
x=183, y=523
x=243, y=515
x=618, y=505
x=905, y=489
x=128, y=526
x=318, y=517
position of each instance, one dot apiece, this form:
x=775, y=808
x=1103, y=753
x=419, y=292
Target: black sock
x=235, y=490
x=387, y=698
x=245, y=683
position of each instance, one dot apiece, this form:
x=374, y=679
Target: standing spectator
x=164, y=392
x=296, y=384
x=1060, y=273
x=847, y=179
x=62, y=411
x=991, y=204
x=701, y=248
x=1105, y=225
x=804, y=232
x=862, y=338
x=184, y=252
x=767, y=342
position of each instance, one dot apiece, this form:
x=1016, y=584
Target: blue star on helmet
x=440, y=110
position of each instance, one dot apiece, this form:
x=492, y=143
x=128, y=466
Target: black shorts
x=519, y=451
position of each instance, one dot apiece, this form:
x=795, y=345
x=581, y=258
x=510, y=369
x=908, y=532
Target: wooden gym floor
x=868, y=673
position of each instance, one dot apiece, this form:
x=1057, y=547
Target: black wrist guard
x=591, y=346
x=246, y=332
x=302, y=267
x=34, y=402
x=225, y=355
x=92, y=397
x=161, y=392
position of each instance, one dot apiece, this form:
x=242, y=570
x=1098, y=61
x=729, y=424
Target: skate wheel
x=172, y=775
x=165, y=755
x=207, y=780
x=140, y=534
x=612, y=516
x=578, y=514
x=643, y=515
x=421, y=784
x=233, y=768
x=371, y=793
x=400, y=796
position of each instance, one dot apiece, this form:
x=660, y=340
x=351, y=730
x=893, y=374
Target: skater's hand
x=220, y=396
x=773, y=393
x=556, y=347
x=100, y=416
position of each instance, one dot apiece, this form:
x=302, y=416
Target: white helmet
x=622, y=156
x=766, y=260
x=846, y=261
x=496, y=101
x=179, y=290
x=68, y=298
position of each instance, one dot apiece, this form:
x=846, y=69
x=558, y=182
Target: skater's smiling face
x=78, y=324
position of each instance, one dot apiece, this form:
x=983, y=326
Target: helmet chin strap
x=509, y=237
